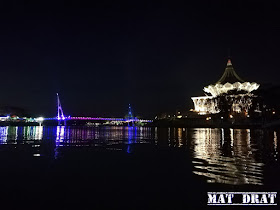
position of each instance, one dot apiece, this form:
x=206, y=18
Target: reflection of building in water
x=12, y=137
x=180, y=131
x=23, y=136
x=3, y=134
x=230, y=94
x=39, y=133
x=8, y=134
x=275, y=142
x=174, y=137
x=32, y=133
x=228, y=154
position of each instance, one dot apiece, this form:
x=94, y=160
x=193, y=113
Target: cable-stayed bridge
x=62, y=119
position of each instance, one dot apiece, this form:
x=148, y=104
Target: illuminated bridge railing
x=100, y=118
x=96, y=118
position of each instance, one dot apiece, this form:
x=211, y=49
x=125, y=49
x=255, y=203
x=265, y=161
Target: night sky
x=102, y=56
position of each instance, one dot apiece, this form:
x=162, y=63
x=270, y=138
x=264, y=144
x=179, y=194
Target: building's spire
x=229, y=62
x=229, y=74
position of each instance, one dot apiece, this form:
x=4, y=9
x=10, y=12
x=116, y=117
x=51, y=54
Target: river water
x=223, y=156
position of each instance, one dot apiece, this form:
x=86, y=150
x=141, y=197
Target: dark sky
x=102, y=56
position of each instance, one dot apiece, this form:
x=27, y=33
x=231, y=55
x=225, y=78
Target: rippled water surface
x=231, y=156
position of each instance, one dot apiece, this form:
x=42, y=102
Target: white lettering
x=221, y=199
x=212, y=198
x=255, y=198
x=229, y=196
x=246, y=198
x=272, y=196
x=263, y=199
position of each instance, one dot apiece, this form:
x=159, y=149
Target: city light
x=39, y=119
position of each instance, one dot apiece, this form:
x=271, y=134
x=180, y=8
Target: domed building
x=229, y=94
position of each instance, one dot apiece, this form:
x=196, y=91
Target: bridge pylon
x=130, y=117
x=60, y=116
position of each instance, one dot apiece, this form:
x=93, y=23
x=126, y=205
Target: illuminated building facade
x=230, y=94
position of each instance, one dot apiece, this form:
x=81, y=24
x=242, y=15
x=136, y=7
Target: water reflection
x=3, y=134
x=231, y=156
x=131, y=133
x=15, y=134
x=226, y=156
x=92, y=136
x=60, y=132
x=275, y=145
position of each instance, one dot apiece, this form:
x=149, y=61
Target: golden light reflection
x=231, y=137
x=180, y=137
x=275, y=145
x=275, y=140
x=223, y=136
x=213, y=148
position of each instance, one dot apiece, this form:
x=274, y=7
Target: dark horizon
x=103, y=56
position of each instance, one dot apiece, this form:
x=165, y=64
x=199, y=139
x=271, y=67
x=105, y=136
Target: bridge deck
x=100, y=118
